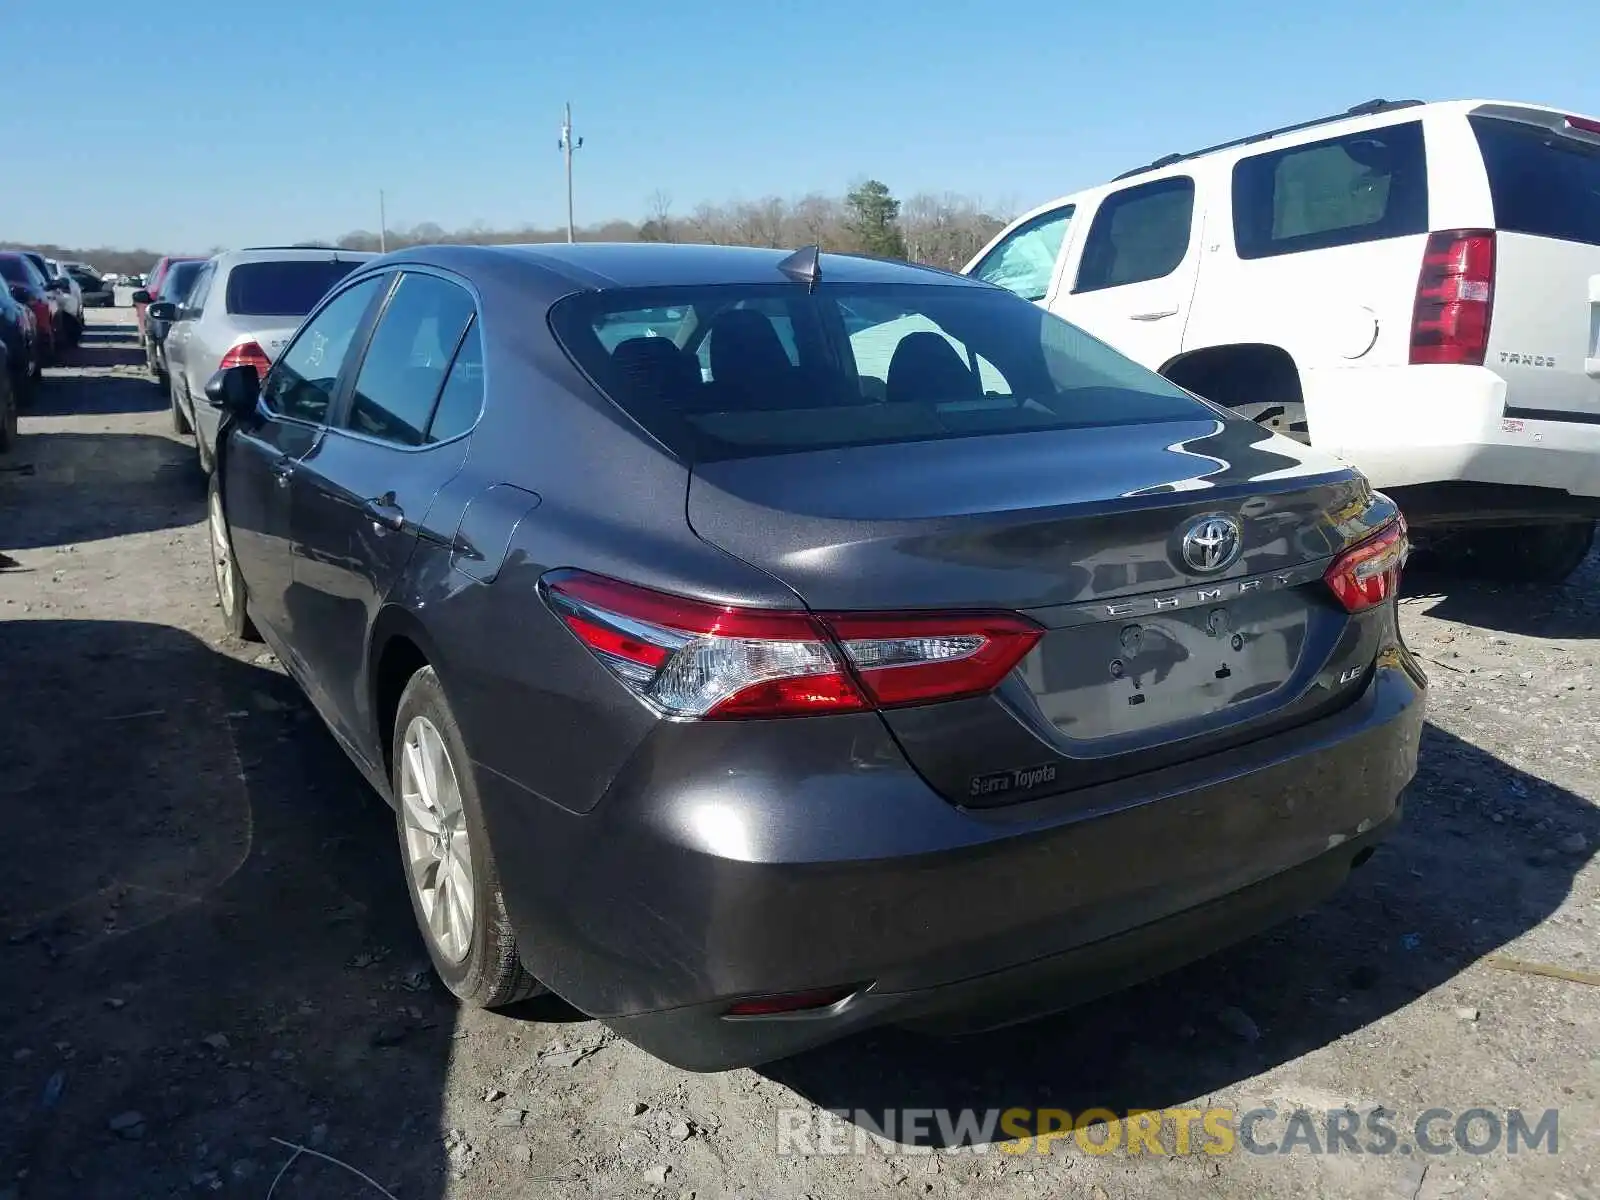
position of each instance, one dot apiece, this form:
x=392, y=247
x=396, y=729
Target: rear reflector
x=788, y=1002
x=688, y=658
x=1455, y=298
x=1369, y=573
x=246, y=353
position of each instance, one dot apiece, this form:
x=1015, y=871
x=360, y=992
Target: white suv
x=1413, y=287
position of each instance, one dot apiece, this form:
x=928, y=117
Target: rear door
x=1544, y=335
x=362, y=496
x=1132, y=274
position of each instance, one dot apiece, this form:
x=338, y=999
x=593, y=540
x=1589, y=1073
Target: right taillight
x=1455, y=298
x=689, y=658
x=1369, y=573
x=246, y=353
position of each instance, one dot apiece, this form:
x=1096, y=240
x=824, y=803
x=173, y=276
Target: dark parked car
x=20, y=336
x=175, y=285
x=755, y=679
x=97, y=290
x=29, y=287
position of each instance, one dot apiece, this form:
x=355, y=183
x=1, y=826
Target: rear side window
x=1024, y=261
x=1138, y=234
x=282, y=288
x=1542, y=183
x=407, y=359
x=1362, y=187
x=851, y=365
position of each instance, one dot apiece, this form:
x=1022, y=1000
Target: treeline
x=940, y=230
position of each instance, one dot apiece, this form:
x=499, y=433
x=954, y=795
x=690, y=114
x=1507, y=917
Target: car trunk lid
x=1149, y=646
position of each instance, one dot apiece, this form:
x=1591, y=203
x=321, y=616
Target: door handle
x=1154, y=316
x=385, y=513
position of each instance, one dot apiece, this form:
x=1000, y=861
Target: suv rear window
x=1341, y=191
x=282, y=288
x=745, y=370
x=1542, y=183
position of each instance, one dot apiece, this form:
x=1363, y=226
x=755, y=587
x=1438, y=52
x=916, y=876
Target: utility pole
x=383, y=225
x=567, y=146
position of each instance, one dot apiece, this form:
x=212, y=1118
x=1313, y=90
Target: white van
x=1413, y=287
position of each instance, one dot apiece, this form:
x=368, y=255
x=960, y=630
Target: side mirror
x=141, y=297
x=234, y=390
x=162, y=310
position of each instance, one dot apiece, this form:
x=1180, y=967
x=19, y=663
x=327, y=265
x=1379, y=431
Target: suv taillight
x=1369, y=572
x=247, y=353
x=1455, y=297
x=688, y=658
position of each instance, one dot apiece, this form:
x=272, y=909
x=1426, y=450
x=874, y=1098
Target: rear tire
x=1520, y=554
x=180, y=421
x=8, y=412
x=444, y=849
x=231, y=595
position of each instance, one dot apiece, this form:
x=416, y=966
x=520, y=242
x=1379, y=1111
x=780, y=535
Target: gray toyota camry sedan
x=758, y=646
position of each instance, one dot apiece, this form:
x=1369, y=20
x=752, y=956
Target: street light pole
x=567, y=146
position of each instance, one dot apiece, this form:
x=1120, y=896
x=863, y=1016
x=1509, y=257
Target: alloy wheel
x=438, y=852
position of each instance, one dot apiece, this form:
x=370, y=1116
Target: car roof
x=1374, y=114
x=255, y=254
x=607, y=265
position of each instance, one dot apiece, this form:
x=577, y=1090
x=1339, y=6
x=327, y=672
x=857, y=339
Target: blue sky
x=185, y=124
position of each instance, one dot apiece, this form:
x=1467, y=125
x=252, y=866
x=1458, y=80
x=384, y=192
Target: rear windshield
x=176, y=285
x=286, y=288
x=742, y=371
x=1542, y=183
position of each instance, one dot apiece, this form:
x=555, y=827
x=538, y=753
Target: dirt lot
x=206, y=951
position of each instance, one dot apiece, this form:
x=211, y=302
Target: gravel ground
x=206, y=953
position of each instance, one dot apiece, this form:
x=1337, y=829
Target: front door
x=364, y=494
x=263, y=454
x=1135, y=270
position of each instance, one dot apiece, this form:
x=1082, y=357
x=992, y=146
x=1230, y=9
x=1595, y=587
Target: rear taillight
x=247, y=353
x=1369, y=573
x=688, y=658
x=1455, y=298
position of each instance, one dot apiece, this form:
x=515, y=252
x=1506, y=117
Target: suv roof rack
x=1370, y=108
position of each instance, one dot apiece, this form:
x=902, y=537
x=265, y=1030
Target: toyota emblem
x=1211, y=543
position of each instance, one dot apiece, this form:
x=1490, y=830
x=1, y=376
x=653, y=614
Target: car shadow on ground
x=139, y=482
x=1452, y=885
x=97, y=394
x=1567, y=610
x=208, y=931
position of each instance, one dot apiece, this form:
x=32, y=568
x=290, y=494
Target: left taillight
x=1369, y=572
x=246, y=353
x=688, y=658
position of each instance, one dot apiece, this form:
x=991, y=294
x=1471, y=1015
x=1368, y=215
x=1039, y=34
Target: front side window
x=407, y=359
x=302, y=381
x=1025, y=260
x=1138, y=234
x=863, y=364
x=1361, y=187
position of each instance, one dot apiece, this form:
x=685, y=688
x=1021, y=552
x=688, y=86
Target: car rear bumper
x=739, y=866
x=1405, y=426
